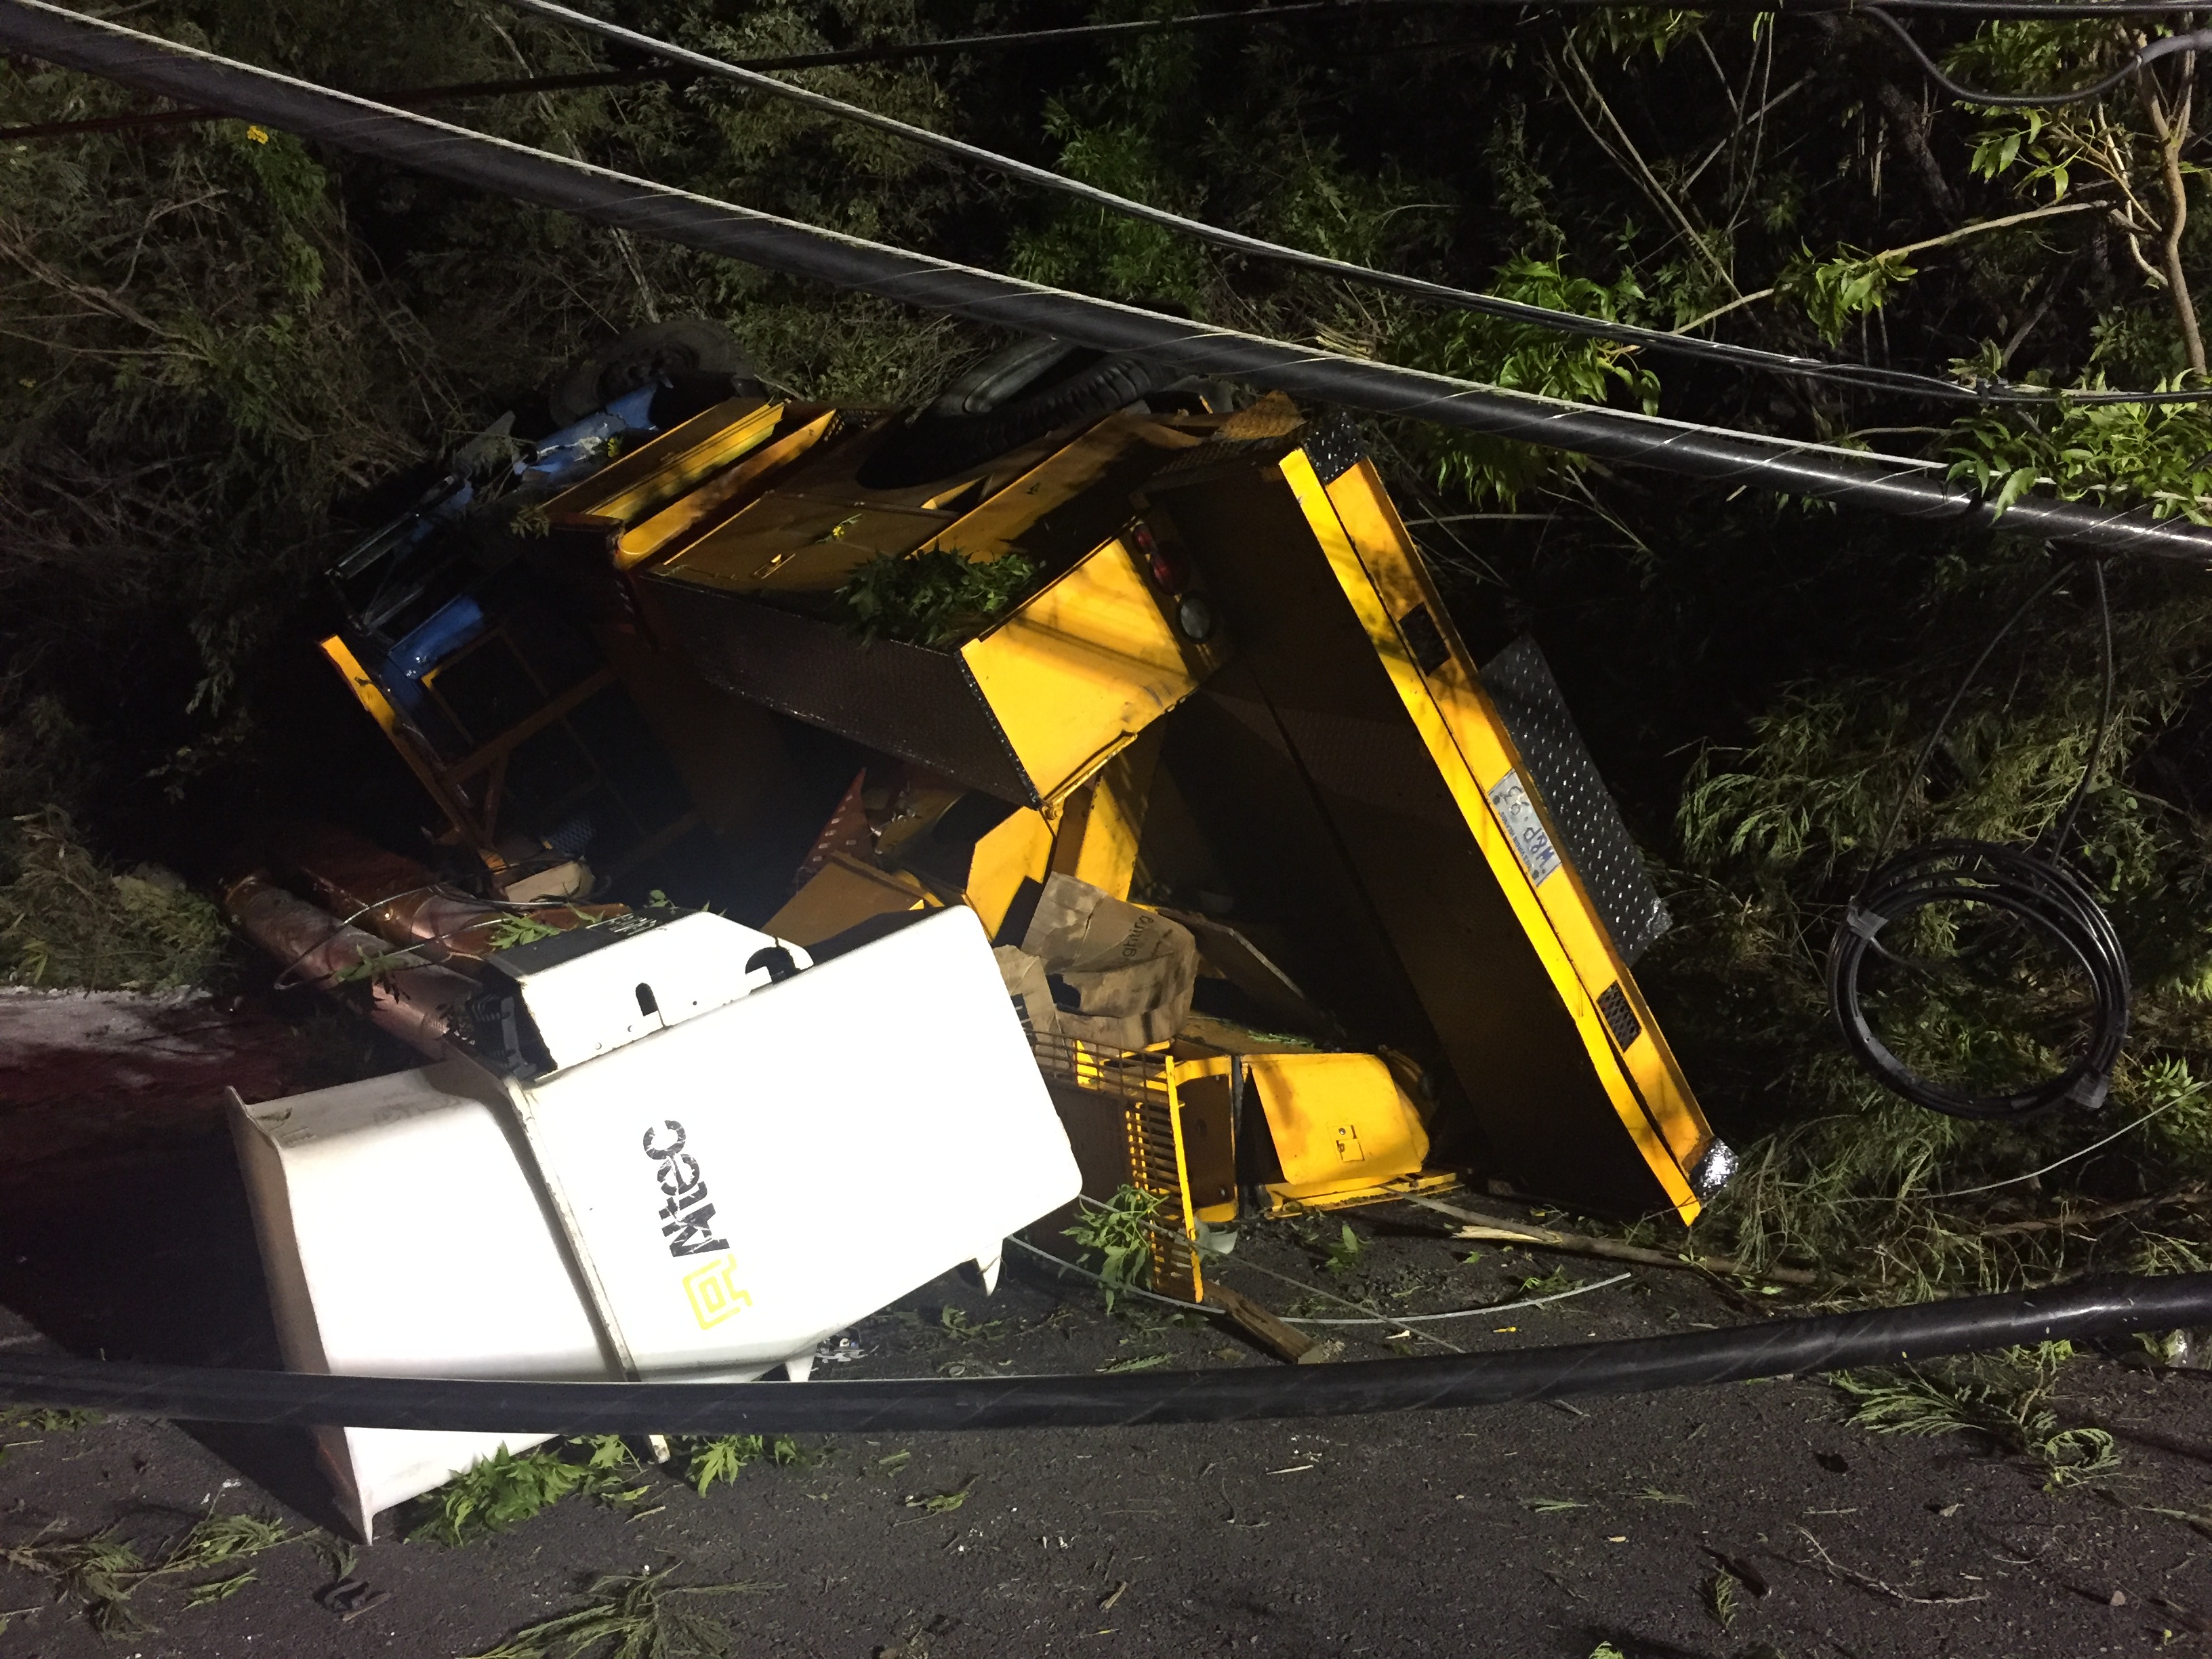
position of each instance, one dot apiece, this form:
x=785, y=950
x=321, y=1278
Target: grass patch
x=2004, y=1399
x=637, y=1616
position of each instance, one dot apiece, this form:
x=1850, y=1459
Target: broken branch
x=1518, y=1232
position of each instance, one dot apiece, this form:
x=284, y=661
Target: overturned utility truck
x=1141, y=711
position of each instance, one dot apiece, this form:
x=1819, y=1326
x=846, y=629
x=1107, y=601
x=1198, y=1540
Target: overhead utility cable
x=2194, y=40
x=1864, y=376
x=1888, y=483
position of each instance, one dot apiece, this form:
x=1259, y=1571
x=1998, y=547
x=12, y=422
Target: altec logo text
x=687, y=1219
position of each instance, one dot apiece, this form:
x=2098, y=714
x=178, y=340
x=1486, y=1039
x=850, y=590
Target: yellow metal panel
x=1364, y=507
x=1339, y=1121
x=1205, y=1092
x=693, y=514
x=1081, y=668
x=844, y=893
x=1019, y=849
x=664, y=467
x=1102, y=823
x=1478, y=724
x=793, y=542
x=996, y=526
x=1160, y=1258
x=459, y=810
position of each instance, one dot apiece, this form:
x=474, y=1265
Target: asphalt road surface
x=1539, y=1532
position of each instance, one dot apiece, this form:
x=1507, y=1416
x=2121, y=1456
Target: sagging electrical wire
x=1170, y=1237
x=2033, y=885
x=1864, y=376
x=2071, y=1157
x=2165, y=46
x=1408, y=1319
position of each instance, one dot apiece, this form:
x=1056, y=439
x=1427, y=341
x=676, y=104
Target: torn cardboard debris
x=1094, y=968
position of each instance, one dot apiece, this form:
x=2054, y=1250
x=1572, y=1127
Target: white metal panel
x=621, y=985
x=858, y=1129
x=748, y=1182
x=402, y=1238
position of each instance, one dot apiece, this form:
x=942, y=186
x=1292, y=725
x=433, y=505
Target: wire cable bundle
x=2037, y=891
x=2031, y=884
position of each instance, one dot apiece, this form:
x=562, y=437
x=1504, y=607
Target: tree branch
x=1905, y=124
x=1639, y=171
x=2171, y=135
x=1944, y=240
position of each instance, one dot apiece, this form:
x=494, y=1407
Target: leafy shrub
x=67, y=921
x=931, y=598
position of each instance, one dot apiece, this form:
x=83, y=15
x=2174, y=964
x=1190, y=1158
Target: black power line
x=1230, y=1394
x=1887, y=483
x=2194, y=40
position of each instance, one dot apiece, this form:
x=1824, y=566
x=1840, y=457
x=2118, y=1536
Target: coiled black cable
x=2037, y=891
x=2031, y=884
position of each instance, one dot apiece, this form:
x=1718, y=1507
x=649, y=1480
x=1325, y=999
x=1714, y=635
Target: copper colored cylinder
x=402, y=901
x=315, y=948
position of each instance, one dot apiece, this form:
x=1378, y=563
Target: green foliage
x=1523, y=358
x=634, y=1616
x=955, y=1322
x=1108, y=253
x=1627, y=32
x=1120, y=1231
x=726, y=1456
x=2005, y=1399
x=1832, y=292
x=1550, y=1284
x=101, y=1574
x=1138, y=1362
x=496, y=1492
x=68, y=921
x=2112, y=453
x=932, y=598
x=510, y=931
x=45, y=1420
x=1345, y=1251
x=943, y=1503
x=1721, y=1598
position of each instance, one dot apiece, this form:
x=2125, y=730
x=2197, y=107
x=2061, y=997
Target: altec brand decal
x=687, y=1219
